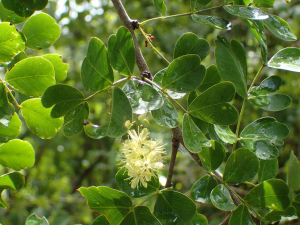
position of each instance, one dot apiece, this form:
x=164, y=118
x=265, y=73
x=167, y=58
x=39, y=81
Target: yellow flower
x=141, y=157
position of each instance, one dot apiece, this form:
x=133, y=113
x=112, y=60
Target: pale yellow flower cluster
x=141, y=157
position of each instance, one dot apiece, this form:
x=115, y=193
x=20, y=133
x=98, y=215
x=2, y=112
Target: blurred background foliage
x=65, y=164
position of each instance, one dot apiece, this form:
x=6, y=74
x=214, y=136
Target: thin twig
x=175, y=146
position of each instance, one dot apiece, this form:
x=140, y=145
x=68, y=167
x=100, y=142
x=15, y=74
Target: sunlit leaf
x=293, y=175
x=275, y=215
x=160, y=6
x=220, y=198
x=201, y=190
x=60, y=68
x=17, y=58
x=225, y=134
x=212, y=21
x=263, y=3
x=6, y=108
x=12, y=130
x=10, y=16
x=247, y=12
x=198, y=4
x=35, y=220
x=101, y=220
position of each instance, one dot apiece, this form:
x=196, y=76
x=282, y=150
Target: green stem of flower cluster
x=243, y=107
x=9, y=91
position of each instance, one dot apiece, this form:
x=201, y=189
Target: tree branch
x=175, y=146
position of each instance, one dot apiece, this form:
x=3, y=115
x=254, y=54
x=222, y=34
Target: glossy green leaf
x=225, y=134
x=12, y=130
x=166, y=115
x=19, y=8
x=286, y=59
x=271, y=194
x=296, y=204
x=263, y=3
x=232, y=63
x=64, y=98
x=38, y=119
x=198, y=219
x=189, y=43
x=139, y=216
x=212, y=157
x=60, y=68
x=262, y=135
x=184, y=74
x=268, y=169
x=241, y=166
x=278, y=102
x=34, y=4
x=11, y=42
x=142, y=96
x=41, y=31
x=280, y=28
x=198, y=4
x=241, y=216
x=247, y=12
x=6, y=108
x=212, y=105
x=193, y=137
x=212, y=21
x=275, y=215
x=124, y=182
x=220, y=198
x=212, y=77
x=13, y=181
x=160, y=6
x=17, y=154
x=121, y=51
x=113, y=204
x=74, y=119
x=173, y=206
x=35, y=220
x=201, y=190
x=121, y=112
x=10, y=16
x=293, y=175
x=96, y=71
x=101, y=220
x=31, y=76
x=17, y=58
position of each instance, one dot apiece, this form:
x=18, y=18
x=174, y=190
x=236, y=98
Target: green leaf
x=184, y=74
x=275, y=215
x=246, y=12
x=212, y=21
x=123, y=181
x=6, y=108
x=225, y=134
x=193, y=137
x=280, y=28
x=263, y=3
x=262, y=95
x=31, y=76
x=198, y=219
x=232, y=64
x=35, y=220
x=293, y=175
x=201, y=190
x=10, y=16
x=286, y=59
x=19, y=8
x=13, y=181
x=262, y=135
x=64, y=98
x=271, y=194
x=74, y=119
x=121, y=51
x=140, y=215
x=241, y=166
x=12, y=130
x=38, y=119
x=174, y=206
x=160, y=6
x=212, y=77
x=212, y=157
x=96, y=71
x=142, y=96
x=189, y=43
x=198, y=4
x=113, y=204
x=17, y=58
x=121, y=112
x=41, y=31
x=101, y=220
x=34, y=4
x=296, y=204
x=212, y=105
x=268, y=169
x=220, y=198
x=241, y=216
x=166, y=115
x=17, y=154
x=11, y=42
x=60, y=68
